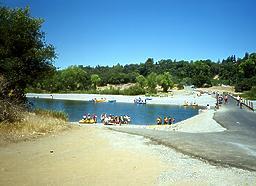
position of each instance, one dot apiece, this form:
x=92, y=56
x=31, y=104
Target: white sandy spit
x=202, y=100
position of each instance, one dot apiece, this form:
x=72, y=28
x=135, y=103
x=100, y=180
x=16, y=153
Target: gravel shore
x=181, y=169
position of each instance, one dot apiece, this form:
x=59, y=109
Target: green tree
x=95, y=79
x=165, y=81
x=148, y=67
x=151, y=82
x=248, y=66
x=25, y=57
x=201, y=74
x=74, y=78
x=141, y=80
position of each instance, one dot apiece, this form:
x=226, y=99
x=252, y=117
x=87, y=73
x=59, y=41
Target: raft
x=112, y=101
x=87, y=121
x=100, y=100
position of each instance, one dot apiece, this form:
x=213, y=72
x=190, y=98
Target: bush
x=133, y=90
x=9, y=112
x=180, y=86
x=215, y=82
x=243, y=86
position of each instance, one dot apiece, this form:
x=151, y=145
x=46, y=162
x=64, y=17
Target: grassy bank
x=32, y=125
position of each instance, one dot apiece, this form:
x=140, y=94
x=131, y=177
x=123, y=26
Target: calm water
x=140, y=114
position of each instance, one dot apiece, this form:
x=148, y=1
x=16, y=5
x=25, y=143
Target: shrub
x=243, y=86
x=180, y=86
x=251, y=94
x=9, y=112
x=133, y=90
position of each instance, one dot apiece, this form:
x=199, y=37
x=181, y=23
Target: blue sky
x=107, y=32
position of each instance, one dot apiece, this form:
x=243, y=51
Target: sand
x=178, y=98
x=97, y=156
x=78, y=157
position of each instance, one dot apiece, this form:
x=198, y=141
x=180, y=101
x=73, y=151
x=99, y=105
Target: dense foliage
x=24, y=55
x=25, y=59
x=239, y=72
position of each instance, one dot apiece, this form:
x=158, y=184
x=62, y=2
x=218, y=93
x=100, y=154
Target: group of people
x=140, y=101
x=165, y=121
x=220, y=99
x=111, y=119
x=89, y=117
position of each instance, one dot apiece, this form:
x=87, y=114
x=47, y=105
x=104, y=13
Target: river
x=140, y=114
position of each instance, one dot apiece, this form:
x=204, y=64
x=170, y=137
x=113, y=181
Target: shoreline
x=200, y=123
x=178, y=99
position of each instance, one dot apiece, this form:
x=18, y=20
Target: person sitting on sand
x=172, y=120
x=165, y=120
x=208, y=107
x=106, y=121
x=159, y=121
x=127, y=119
x=88, y=116
x=94, y=117
x=102, y=117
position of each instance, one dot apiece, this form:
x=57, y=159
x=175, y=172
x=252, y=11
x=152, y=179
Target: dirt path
x=84, y=156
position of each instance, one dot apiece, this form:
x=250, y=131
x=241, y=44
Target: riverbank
x=178, y=98
x=200, y=123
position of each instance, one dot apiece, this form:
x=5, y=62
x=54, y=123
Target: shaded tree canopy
x=25, y=57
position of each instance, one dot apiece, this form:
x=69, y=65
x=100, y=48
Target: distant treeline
x=240, y=72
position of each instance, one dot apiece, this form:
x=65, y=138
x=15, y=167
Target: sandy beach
x=178, y=98
x=95, y=155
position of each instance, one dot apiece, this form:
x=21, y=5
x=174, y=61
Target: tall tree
x=24, y=54
x=165, y=81
x=141, y=80
x=95, y=79
x=74, y=78
x=151, y=82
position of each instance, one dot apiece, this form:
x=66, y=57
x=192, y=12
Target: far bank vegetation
x=145, y=77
